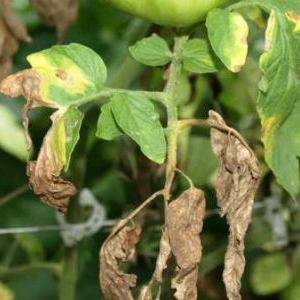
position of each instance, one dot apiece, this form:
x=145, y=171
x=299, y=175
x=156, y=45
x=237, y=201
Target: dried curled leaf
x=145, y=292
x=44, y=174
x=59, y=77
x=14, y=26
x=237, y=183
x=161, y=264
x=118, y=248
x=163, y=256
x=10, y=31
x=58, y=144
x=58, y=13
x=184, y=223
x=185, y=283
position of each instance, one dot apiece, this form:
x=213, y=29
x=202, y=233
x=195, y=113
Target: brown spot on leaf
x=236, y=68
x=62, y=74
x=58, y=13
x=184, y=223
x=236, y=185
x=118, y=248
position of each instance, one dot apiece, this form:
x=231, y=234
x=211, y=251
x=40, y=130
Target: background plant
x=197, y=95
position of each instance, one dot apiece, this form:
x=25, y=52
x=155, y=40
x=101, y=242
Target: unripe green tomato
x=176, y=13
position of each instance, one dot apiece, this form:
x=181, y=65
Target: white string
x=68, y=227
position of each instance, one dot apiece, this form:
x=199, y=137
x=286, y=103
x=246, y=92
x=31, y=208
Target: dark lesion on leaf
x=62, y=74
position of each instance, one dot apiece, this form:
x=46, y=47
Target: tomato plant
x=166, y=114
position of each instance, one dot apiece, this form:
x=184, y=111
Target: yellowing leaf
x=68, y=73
x=5, y=292
x=59, y=78
x=279, y=98
x=58, y=144
x=228, y=32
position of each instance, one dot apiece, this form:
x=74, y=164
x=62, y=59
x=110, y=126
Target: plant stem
x=109, y=92
x=69, y=276
x=14, y=194
x=172, y=109
x=6, y=272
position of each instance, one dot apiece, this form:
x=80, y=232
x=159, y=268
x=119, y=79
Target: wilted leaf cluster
x=236, y=185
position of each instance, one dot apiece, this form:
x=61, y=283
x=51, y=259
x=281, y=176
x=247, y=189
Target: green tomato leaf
x=12, y=137
x=60, y=76
x=198, y=57
x=72, y=122
x=136, y=116
x=107, y=127
x=152, y=51
x=63, y=136
x=206, y=160
x=279, y=98
x=68, y=73
x=281, y=5
x=270, y=274
x=228, y=32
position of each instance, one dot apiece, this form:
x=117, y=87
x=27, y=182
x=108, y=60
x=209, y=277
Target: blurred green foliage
x=121, y=178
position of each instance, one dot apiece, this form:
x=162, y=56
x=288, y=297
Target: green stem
x=14, y=194
x=69, y=276
x=172, y=106
x=54, y=268
x=109, y=92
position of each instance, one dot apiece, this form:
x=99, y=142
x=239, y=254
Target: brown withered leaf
x=161, y=264
x=8, y=47
x=25, y=83
x=11, y=30
x=236, y=185
x=58, y=13
x=17, y=29
x=145, y=292
x=50, y=187
x=184, y=223
x=185, y=283
x=44, y=174
x=163, y=256
x=118, y=248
